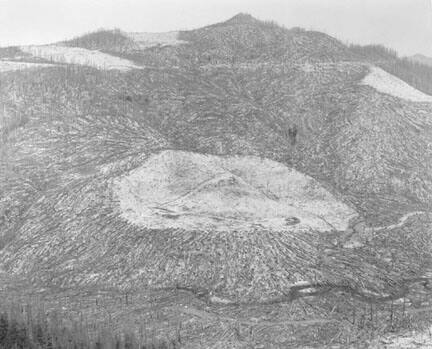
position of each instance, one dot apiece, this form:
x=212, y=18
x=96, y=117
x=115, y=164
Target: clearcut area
x=7, y=66
x=80, y=56
x=176, y=189
x=389, y=84
x=146, y=40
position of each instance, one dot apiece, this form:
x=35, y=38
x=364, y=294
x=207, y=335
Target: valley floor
x=330, y=318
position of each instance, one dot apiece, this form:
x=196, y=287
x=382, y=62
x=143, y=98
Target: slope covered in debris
x=135, y=179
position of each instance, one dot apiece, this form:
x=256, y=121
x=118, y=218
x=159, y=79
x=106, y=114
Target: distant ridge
x=419, y=58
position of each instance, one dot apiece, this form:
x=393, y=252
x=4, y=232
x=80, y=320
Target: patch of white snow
x=175, y=189
x=146, y=40
x=391, y=85
x=6, y=66
x=80, y=56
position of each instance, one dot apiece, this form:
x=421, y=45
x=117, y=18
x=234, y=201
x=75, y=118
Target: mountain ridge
x=422, y=59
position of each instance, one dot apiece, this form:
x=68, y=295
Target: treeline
x=416, y=74
x=21, y=329
x=374, y=53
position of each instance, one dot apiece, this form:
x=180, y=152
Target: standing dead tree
x=292, y=134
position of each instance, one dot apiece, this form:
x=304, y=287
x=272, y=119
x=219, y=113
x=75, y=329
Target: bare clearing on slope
x=391, y=85
x=146, y=40
x=176, y=189
x=80, y=56
x=6, y=66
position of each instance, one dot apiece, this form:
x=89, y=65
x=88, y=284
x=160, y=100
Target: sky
x=404, y=25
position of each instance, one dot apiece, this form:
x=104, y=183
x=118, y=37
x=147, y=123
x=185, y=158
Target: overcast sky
x=405, y=25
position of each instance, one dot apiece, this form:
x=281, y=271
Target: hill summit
x=242, y=18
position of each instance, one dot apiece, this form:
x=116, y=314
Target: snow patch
x=175, y=189
x=146, y=40
x=6, y=66
x=80, y=56
x=219, y=300
x=391, y=85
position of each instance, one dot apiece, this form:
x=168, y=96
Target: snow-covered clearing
x=391, y=85
x=80, y=56
x=175, y=189
x=6, y=66
x=146, y=40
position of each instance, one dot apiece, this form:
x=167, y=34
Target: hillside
x=414, y=72
x=103, y=40
x=79, y=56
x=243, y=38
x=224, y=169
